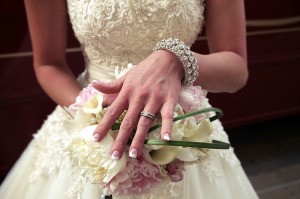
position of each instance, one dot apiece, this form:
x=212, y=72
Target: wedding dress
x=114, y=33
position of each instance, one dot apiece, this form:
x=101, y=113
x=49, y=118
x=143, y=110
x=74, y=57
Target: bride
x=115, y=33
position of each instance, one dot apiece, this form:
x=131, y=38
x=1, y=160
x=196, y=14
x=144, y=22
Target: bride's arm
x=225, y=69
x=47, y=20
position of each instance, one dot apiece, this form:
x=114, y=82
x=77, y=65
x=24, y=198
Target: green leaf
x=218, y=115
x=215, y=144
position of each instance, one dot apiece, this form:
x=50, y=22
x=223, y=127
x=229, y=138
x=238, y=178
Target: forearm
x=221, y=72
x=225, y=68
x=48, y=30
x=59, y=83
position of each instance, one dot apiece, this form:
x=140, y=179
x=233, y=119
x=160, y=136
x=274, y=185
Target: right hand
x=153, y=85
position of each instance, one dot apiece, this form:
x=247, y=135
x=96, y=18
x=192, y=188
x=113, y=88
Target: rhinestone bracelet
x=184, y=54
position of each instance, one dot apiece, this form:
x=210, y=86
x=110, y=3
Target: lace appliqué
x=117, y=32
x=49, y=141
x=208, y=166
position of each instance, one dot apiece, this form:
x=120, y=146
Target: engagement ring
x=148, y=115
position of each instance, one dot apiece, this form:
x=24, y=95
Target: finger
x=111, y=115
x=167, y=114
x=108, y=99
x=126, y=129
x=109, y=87
x=144, y=124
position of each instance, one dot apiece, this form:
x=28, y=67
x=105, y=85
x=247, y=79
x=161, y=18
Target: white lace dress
x=114, y=33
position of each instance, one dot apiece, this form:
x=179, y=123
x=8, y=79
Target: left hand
x=153, y=85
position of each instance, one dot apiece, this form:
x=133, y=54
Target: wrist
x=185, y=55
x=172, y=61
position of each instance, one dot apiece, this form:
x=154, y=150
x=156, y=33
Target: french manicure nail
x=166, y=136
x=115, y=155
x=133, y=153
x=96, y=137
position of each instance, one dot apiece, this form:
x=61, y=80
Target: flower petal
x=165, y=154
x=93, y=105
x=115, y=168
x=80, y=121
x=188, y=154
x=201, y=133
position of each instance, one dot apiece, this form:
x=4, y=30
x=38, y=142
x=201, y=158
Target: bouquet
x=160, y=161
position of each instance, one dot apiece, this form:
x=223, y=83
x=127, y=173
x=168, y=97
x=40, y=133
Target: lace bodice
x=117, y=32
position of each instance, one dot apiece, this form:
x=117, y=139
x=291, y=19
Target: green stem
x=218, y=115
x=215, y=144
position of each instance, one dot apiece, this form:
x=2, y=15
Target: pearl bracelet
x=184, y=54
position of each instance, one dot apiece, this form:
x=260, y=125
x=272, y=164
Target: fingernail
x=96, y=137
x=166, y=136
x=133, y=153
x=115, y=155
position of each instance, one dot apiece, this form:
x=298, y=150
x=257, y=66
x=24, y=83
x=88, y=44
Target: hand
x=153, y=85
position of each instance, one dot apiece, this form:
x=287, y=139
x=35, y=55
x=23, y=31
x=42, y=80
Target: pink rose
x=191, y=98
x=83, y=97
x=138, y=177
x=175, y=170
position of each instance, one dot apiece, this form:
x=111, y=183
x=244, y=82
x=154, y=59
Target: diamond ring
x=148, y=115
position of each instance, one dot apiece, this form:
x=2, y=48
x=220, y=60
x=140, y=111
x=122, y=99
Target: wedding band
x=148, y=115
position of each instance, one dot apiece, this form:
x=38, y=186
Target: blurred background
x=262, y=120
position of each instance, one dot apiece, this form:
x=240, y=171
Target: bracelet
x=184, y=54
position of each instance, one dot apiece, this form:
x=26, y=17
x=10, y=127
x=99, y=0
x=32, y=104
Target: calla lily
x=201, y=133
x=94, y=105
x=191, y=154
x=80, y=121
x=189, y=125
x=165, y=154
x=188, y=154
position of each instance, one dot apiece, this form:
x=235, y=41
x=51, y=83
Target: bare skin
x=146, y=86
x=47, y=22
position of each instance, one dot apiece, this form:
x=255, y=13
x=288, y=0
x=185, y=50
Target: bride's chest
x=113, y=20
x=108, y=13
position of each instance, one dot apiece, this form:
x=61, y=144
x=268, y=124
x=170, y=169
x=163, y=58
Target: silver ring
x=148, y=115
